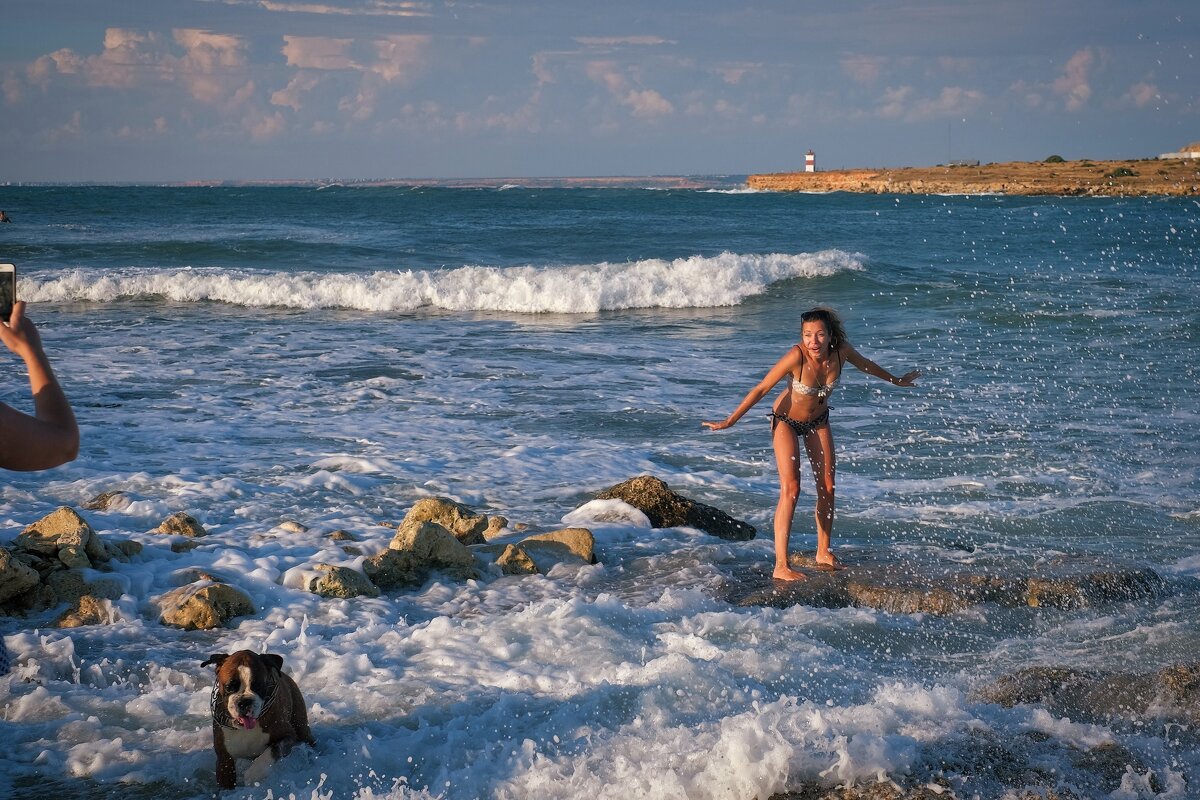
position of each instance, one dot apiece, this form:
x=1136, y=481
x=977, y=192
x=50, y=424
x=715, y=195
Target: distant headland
x=1054, y=176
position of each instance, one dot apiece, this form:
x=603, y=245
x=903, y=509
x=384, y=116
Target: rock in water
x=203, y=606
x=666, y=509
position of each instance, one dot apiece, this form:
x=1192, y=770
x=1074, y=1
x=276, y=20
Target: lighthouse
x=810, y=161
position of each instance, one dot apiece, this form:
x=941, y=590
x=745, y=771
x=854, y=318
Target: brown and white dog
x=258, y=713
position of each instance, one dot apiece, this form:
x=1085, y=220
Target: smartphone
x=8, y=290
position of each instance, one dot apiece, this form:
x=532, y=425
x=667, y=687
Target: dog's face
x=246, y=682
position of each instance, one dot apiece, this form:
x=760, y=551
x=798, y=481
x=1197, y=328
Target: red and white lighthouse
x=810, y=161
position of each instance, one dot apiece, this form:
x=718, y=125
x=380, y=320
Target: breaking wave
x=695, y=282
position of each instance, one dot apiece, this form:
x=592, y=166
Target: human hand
x=909, y=378
x=19, y=334
x=717, y=426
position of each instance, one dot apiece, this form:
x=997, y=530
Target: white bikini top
x=820, y=392
x=814, y=391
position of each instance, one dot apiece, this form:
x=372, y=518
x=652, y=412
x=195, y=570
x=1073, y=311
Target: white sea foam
x=694, y=282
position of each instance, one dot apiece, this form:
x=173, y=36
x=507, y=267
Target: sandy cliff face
x=1146, y=177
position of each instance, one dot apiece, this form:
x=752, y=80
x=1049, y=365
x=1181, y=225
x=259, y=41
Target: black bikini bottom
x=802, y=429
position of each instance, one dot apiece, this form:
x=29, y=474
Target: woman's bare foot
x=829, y=561
x=788, y=574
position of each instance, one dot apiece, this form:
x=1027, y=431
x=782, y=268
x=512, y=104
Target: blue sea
x=331, y=355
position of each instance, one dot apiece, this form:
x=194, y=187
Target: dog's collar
x=220, y=711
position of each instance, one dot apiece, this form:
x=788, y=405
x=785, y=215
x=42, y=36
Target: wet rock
x=181, y=524
x=395, y=569
x=188, y=575
x=342, y=536
x=1171, y=693
x=871, y=791
x=466, y=526
x=1082, y=591
x=899, y=600
x=576, y=542
x=88, y=610
x=122, y=549
x=62, y=529
x=541, y=552
x=495, y=528
x=106, y=500
x=340, y=582
x=16, y=577
x=901, y=589
x=666, y=509
x=1009, y=592
x=1110, y=762
x=203, y=606
x=416, y=552
x=514, y=560
x=71, y=584
x=40, y=598
x=291, y=526
x=435, y=546
x=74, y=557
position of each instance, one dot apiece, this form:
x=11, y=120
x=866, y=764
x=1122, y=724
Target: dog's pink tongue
x=248, y=722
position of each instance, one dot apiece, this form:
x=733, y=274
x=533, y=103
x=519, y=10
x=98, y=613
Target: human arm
x=871, y=368
x=782, y=367
x=50, y=437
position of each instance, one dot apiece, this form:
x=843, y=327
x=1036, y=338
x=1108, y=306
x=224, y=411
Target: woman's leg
x=787, y=461
x=819, y=445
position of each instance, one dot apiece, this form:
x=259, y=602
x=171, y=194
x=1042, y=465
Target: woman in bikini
x=813, y=368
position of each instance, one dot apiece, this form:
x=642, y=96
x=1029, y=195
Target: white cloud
x=616, y=41
x=525, y=118
x=1029, y=96
x=373, y=8
x=732, y=74
x=643, y=102
x=68, y=130
x=1073, y=83
x=12, y=90
x=292, y=95
x=606, y=73
x=362, y=105
x=1141, y=95
x=648, y=103
x=541, y=68
x=265, y=126
x=207, y=51
x=894, y=100
x=398, y=58
x=208, y=67
x=863, y=69
x=951, y=101
x=318, y=52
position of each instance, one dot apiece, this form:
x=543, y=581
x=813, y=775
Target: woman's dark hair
x=833, y=324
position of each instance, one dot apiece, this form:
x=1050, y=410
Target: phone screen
x=8, y=290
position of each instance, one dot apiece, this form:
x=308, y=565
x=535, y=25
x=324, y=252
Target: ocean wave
x=695, y=282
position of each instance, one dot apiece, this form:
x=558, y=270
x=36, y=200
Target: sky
x=181, y=90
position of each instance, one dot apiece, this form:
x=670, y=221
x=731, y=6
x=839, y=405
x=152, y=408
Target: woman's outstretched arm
x=871, y=368
x=51, y=437
x=790, y=361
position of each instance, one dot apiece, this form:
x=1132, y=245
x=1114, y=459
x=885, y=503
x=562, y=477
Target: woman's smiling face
x=814, y=336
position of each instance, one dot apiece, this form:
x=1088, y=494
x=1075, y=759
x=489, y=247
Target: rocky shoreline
x=1169, y=177
x=60, y=572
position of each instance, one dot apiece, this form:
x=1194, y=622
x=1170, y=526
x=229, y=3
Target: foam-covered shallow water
x=256, y=355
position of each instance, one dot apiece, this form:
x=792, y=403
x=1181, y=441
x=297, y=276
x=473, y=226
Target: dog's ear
x=216, y=659
x=274, y=660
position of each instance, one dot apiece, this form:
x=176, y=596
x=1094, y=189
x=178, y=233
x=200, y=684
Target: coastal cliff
x=1178, y=177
